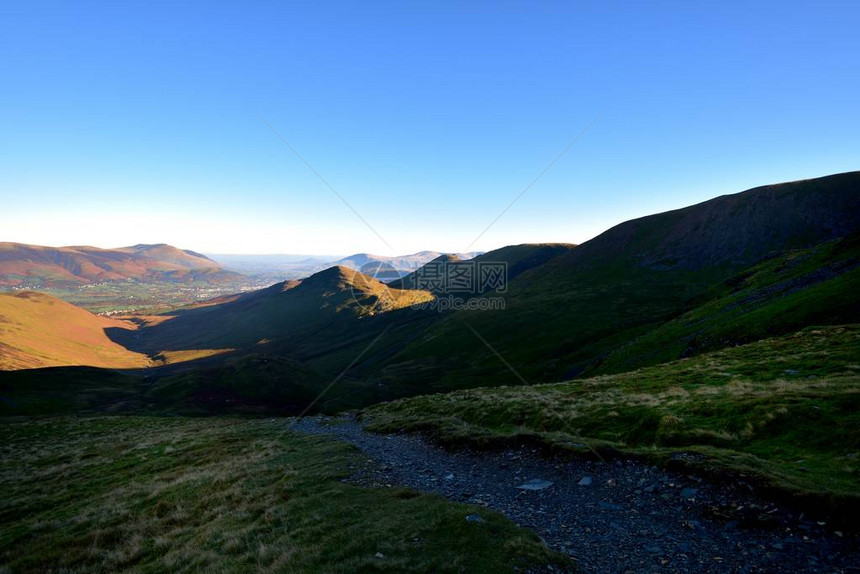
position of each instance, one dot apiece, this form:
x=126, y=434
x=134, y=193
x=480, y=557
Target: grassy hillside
x=300, y=313
x=815, y=286
x=38, y=330
x=70, y=391
x=516, y=258
x=225, y=495
x=786, y=410
x=564, y=316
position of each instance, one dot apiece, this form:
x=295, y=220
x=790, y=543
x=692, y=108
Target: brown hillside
x=28, y=265
x=37, y=330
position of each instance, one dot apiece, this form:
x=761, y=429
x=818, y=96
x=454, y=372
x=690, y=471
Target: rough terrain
x=612, y=516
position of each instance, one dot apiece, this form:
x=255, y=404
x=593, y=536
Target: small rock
x=380, y=555
x=688, y=493
x=535, y=484
x=474, y=518
x=449, y=477
x=585, y=481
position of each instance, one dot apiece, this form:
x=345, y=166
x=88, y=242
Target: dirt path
x=620, y=516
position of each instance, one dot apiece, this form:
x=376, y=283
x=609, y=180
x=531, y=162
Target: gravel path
x=619, y=516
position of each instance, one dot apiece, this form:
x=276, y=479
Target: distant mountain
x=403, y=263
x=37, y=330
x=280, y=267
x=164, y=253
x=277, y=267
x=38, y=266
x=514, y=260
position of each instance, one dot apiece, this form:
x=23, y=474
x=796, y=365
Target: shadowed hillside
x=284, y=316
x=562, y=318
x=731, y=231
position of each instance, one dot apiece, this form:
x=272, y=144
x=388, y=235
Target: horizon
x=333, y=257
x=464, y=128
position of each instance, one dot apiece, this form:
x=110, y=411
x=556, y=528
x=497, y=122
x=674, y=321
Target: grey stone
x=535, y=484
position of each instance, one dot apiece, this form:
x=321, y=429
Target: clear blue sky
x=127, y=122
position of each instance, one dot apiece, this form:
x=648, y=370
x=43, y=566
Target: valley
x=716, y=343
x=429, y=287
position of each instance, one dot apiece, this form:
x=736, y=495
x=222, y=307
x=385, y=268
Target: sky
x=418, y=123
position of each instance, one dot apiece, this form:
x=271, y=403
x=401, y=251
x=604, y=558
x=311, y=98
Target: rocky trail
x=614, y=516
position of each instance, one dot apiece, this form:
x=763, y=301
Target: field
x=124, y=297
x=149, y=494
x=785, y=411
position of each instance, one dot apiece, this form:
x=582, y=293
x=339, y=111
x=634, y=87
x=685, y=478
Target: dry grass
x=37, y=330
x=214, y=494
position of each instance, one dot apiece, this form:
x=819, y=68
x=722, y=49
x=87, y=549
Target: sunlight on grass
x=786, y=410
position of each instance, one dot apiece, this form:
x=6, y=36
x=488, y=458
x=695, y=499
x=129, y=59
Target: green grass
x=150, y=494
x=813, y=286
x=785, y=411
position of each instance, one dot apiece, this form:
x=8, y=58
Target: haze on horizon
x=138, y=123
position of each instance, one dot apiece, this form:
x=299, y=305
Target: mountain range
x=33, y=265
x=283, y=267
x=734, y=269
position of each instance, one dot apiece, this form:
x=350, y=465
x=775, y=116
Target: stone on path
x=688, y=493
x=535, y=484
x=585, y=481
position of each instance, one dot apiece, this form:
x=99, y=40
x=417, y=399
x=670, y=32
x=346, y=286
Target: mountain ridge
x=566, y=308
x=36, y=265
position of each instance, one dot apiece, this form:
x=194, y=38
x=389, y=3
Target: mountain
x=731, y=231
x=280, y=267
x=724, y=272
x=37, y=330
x=275, y=267
x=514, y=260
x=33, y=265
x=164, y=253
x=285, y=316
x=403, y=263
x=562, y=318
